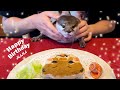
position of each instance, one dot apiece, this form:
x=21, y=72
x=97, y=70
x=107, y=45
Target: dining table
x=14, y=50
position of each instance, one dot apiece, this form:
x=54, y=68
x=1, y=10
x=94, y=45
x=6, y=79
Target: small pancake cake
x=63, y=66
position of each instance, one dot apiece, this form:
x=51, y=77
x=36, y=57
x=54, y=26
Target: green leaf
x=37, y=67
x=29, y=71
x=25, y=73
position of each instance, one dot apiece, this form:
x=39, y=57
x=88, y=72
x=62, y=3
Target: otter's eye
x=81, y=70
x=54, y=61
x=66, y=55
x=70, y=62
x=63, y=25
x=73, y=26
x=43, y=70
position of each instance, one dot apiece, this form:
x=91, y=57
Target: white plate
x=86, y=59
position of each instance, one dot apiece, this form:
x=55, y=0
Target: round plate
x=86, y=59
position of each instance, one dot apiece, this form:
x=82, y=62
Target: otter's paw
x=35, y=39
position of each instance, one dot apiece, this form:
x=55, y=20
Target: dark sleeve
x=114, y=14
x=97, y=15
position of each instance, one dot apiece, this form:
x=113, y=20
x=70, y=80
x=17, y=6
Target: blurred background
x=1, y=30
x=92, y=16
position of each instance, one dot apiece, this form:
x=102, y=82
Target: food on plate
x=95, y=70
x=30, y=71
x=63, y=66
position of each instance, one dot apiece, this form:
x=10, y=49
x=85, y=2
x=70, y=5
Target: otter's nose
x=69, y=30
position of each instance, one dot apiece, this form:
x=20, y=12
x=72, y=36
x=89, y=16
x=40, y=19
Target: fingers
x=82, y=34
x=82, y=30
x=82, y=23
x=54, y=36
x=48, y=32
x=47, y=21
x=89, y=37
x=45, y=25
x=51, y=27
x=83, y=27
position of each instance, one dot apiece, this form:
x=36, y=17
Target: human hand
x=84, y=31
x=42, y=22
x=84, y=27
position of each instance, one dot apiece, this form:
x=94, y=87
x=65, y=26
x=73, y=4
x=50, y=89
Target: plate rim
x=27, y=58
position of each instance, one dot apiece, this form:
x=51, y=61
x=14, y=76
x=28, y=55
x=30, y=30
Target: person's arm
x=14, y=26
x=102, y=27
x=42, y=22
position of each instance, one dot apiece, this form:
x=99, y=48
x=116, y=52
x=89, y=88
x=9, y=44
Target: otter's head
x=67, y=25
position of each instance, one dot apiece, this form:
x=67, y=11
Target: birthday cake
x=63, y=66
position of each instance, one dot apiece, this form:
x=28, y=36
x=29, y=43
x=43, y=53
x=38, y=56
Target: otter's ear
x=76, y=14
x=65, y=13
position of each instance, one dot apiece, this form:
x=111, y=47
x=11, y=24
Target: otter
x=67, y=25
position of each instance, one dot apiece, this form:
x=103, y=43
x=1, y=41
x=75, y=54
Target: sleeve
x=97, y=15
